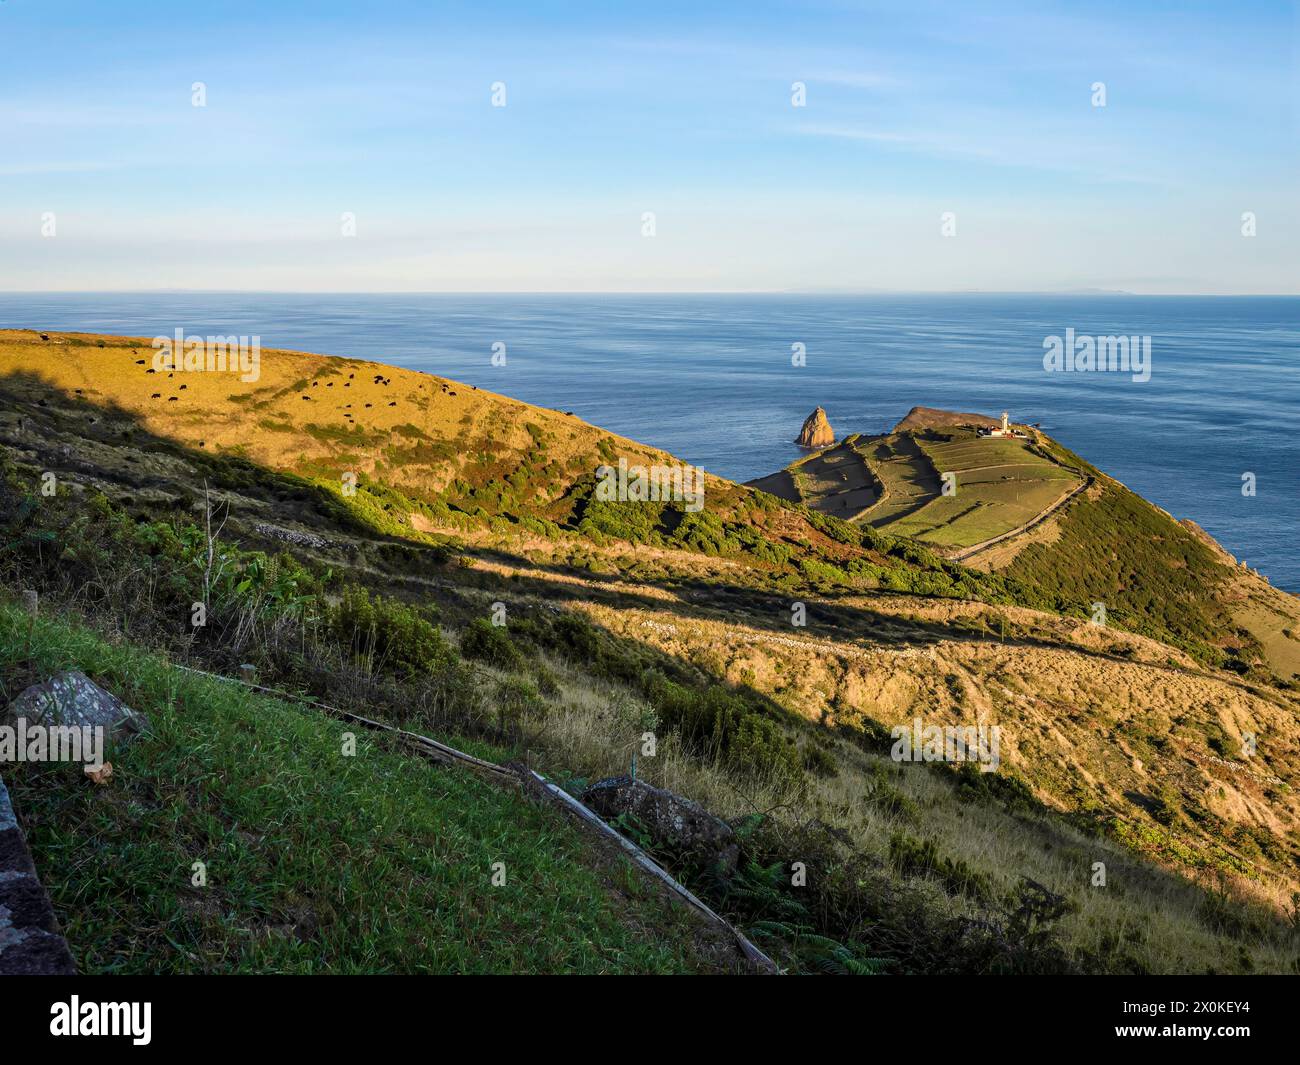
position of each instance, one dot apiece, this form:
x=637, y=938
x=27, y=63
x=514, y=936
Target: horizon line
x=639, y=292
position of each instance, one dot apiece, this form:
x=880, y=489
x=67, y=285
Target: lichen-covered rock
x=75, y=700
x=817, y=431
x=679, y=826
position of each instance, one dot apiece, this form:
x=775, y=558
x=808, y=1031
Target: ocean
x=710, y=377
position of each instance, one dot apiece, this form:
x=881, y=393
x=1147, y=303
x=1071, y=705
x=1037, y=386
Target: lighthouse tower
x=1006, y=426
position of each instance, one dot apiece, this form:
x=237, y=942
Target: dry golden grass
x=1156, y=918
x=1093, y=719
x=315, y=412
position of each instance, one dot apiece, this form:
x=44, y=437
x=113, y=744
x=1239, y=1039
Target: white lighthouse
x=1003, y=430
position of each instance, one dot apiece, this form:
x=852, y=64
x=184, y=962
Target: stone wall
x=30, y=941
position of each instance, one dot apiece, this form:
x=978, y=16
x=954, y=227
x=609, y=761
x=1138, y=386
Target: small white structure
x=1005, y=429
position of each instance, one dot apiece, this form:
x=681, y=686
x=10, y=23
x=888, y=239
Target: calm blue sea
x=710, y=377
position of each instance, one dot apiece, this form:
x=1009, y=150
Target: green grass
x=909, y=480
x=893, y=483
x=1001, y=485
x=316, y=862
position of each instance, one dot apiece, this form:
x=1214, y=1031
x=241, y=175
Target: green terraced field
x=1001, y=485
x=894, y=483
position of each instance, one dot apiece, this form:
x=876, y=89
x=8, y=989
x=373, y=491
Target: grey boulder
x=679, y=826
x=73, y=699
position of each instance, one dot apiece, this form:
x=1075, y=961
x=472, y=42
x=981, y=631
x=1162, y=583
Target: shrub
x=715, y=721
x=819, y=762
x=389, y=632
x=547, y=682
x=485, y=642
x=914, y=857
x=516, y=700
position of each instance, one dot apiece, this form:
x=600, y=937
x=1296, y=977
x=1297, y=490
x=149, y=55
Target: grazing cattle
x=171, y=399
x=156, y=395
x=139, y=362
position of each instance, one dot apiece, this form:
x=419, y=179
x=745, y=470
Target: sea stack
x=817, y=431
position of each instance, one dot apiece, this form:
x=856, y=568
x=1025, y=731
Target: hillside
x=1122, y=743
x=1066, y=535
x=380, y=451
x=315, y=862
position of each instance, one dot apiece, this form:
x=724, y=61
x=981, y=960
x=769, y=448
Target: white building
x=1005, y=429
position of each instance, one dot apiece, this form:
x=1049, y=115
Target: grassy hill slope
x=316, y=861
x=1067, y=536
x=1120, y=747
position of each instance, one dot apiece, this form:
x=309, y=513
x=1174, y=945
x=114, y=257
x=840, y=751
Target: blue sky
x=684, y=110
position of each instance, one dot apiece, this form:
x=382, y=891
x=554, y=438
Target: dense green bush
x=485, y=642
x=722, y=723
x=390, y=633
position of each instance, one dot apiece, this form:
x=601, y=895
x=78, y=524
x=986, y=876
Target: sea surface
x=710, y=377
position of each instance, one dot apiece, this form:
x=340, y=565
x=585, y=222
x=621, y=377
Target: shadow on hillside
x=107, y=447
x=152, y=476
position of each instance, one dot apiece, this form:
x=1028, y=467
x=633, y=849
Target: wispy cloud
x=921, y=143
x=862, y=79
x=22, y=169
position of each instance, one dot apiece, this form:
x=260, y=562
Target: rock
x=73, y=699
x=919, y=418
x=680, y=826
x=817, y=431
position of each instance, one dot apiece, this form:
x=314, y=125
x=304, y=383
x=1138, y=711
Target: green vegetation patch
x=315, y=862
